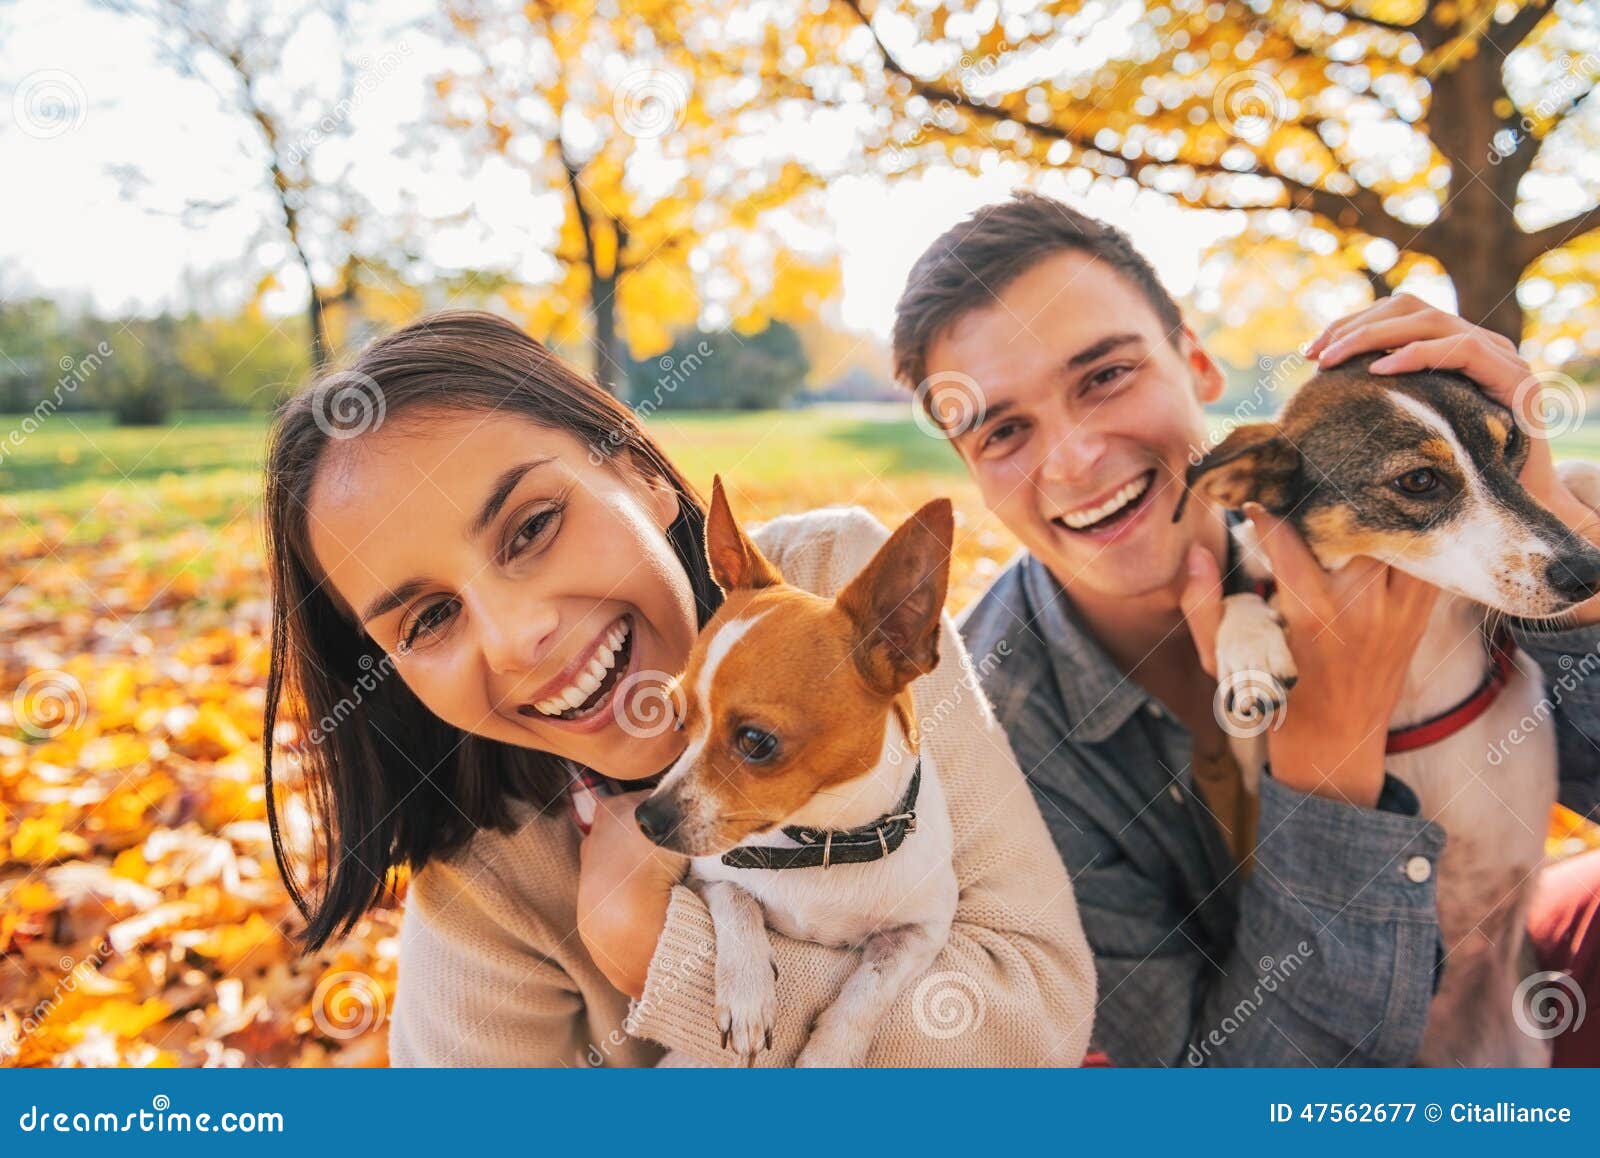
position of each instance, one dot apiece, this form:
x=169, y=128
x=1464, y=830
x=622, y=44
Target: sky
x=72, y=234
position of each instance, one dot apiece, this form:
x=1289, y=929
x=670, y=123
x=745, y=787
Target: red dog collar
x=1447, y=724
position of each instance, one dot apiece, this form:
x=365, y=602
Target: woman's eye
x=428, y=622
x=1417, y=482
x=754, y=744
x=532, y=530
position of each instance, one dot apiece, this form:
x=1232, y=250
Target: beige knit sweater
x=492, y=971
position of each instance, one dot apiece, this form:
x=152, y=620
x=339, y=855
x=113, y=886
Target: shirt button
x=1175, y=792
x=1153, y=709
x=1419, y=869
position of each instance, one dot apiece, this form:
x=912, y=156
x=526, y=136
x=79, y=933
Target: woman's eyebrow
x=501, y=491
x=498, y=494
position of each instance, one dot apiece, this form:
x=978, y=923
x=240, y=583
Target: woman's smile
x=581, y=693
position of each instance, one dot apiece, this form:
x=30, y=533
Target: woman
x=439, y=568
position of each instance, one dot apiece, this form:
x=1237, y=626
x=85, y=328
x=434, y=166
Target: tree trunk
x=319, y=331
x=610, y=364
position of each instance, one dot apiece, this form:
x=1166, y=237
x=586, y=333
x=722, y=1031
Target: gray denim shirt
x=1325, y=954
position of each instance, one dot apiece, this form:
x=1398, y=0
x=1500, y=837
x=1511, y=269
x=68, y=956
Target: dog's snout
x=657, y=817
x=1574, y=577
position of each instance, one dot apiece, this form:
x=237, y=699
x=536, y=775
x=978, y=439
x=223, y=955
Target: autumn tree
x=291, y=122
x=649, y=126
x=1450, y=130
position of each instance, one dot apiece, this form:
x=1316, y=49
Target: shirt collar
x=1097, y=696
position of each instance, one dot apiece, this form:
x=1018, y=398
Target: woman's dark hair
x=388, y=782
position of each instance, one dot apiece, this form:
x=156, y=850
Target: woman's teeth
x=1088, y=517
x=590, y=678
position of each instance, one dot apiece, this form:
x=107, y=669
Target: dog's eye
x=754, y=744
x=1417, y=482
x=1513, y=438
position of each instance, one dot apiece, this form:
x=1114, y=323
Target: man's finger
x=1302, y=583
x=1201, y=602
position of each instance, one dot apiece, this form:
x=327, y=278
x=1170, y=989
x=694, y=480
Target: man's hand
x=1424, y=338
x=1352, y=633
x=624, y=884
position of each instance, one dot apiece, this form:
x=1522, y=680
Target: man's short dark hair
x=973, y=262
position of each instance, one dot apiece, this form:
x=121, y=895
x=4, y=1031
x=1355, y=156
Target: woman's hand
x=1352, y=633
x=624, y=884
x=1424, y=338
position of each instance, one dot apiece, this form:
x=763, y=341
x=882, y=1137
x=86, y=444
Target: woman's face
x=524, y=593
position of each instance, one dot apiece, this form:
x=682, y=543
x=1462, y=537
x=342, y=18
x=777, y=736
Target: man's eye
x=1109, y=376
x=754, y=744
x=999, y=434
x=1417, y=482
x=429, y=621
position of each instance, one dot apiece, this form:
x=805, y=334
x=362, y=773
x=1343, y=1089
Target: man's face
x=1089, y=413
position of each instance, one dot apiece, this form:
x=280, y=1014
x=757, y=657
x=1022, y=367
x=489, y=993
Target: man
x=1065, y=377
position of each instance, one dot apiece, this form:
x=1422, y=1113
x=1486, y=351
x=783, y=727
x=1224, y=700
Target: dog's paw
x=747, y=1003
x=1583, y=480
x=1255, y=668
x=831, y=1047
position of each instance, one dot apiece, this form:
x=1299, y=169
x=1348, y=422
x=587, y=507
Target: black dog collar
x=824, y=847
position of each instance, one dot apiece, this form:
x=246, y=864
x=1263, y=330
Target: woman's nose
x=515, y=630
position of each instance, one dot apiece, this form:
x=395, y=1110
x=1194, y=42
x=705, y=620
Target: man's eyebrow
x=498, y=494
x=501, y=491
x=1100, y=349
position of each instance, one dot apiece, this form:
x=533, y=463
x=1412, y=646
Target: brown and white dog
x=801, y=797
x=1420, y=471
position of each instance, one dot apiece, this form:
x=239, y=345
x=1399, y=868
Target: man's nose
x=1072, y=454
x=516, y=630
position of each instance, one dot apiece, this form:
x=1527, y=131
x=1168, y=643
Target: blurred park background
x=712, y=206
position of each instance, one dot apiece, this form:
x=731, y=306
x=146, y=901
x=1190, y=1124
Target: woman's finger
x=1499, y=373
x=1389, y=307
x=1201, y=602
x=1388, y=334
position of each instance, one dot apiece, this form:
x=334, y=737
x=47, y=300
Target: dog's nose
x=1574, y=577
x=657, y=817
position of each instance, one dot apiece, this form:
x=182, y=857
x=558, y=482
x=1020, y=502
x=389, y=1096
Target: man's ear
x=896, y=601
x=735, y=560
x=1208, y=380
x=1255, y=463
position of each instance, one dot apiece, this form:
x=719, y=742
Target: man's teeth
x=603, y=660
x=1078, y=520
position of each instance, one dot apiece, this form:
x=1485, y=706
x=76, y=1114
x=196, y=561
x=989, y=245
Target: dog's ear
x=1255, y=463
x=896, y=601
x=735, y=561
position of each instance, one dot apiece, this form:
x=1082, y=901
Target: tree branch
x=1535, y=245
